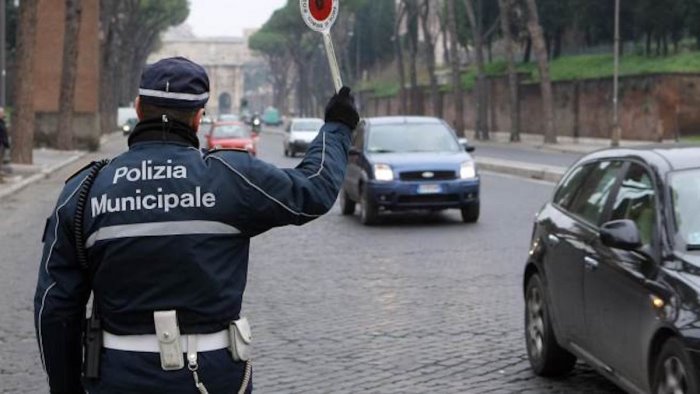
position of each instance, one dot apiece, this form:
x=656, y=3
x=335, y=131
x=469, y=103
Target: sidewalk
x=563, y=145
x=566, y=151
x=46, y=162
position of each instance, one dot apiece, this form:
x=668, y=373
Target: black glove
x=341, y=109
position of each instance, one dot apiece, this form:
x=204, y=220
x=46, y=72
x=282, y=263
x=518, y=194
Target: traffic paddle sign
x=320, y=15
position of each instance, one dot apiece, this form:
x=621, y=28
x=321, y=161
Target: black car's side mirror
x=353, y=151
x=621, y=234
x=465, y=144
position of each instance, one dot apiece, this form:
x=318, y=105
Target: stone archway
x=224, y=103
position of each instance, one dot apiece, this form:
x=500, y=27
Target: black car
x=613, y=274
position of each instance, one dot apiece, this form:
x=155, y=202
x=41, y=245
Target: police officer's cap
x=175, y=82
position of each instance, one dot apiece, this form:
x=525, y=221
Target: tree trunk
x=108, y=51
x=527, y=53
x=65, y=134
x=412, y=23
x=399, y=57
x=505, y=6
x=558, y=38
x=23, y=123
x=456, y=76
x=533, y=26
x=430, y=57
x=482, y=130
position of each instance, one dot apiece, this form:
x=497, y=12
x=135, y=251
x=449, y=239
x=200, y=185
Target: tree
x=130, y=30
x=398, y=46
x=372, y=43
x=506, y=11
x=412, y=27
x=427, y=25
x=151, y=18
x=69, y=72
x=455, y=63
x=271, y=45
x=533, y=26
x=112, y=27
x=23, y=120
x=482, y=128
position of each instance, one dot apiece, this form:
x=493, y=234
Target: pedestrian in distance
x=160, y=236
x=4, y=142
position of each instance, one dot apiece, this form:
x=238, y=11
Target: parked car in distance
x=271, y=116
x=129, y=125
x=299, y=134
x=231, y=135
x=408, y=163
x=613, y=273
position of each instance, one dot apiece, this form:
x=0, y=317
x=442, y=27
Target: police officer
x=166, y=233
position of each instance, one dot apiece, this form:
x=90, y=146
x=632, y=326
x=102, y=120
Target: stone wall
x=652, y=107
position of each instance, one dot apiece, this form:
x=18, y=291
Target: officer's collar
x=154, y=130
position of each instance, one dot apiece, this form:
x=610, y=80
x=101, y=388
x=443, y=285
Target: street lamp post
x=616, y=131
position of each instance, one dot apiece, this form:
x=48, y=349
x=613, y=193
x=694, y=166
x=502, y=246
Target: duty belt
x=149, y=343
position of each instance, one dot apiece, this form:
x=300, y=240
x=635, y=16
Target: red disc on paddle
x=319, y=15
x=321, y=9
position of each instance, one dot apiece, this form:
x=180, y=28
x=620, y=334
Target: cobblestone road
x=418, y=304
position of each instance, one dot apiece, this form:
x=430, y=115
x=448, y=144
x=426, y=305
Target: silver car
x=299, y=134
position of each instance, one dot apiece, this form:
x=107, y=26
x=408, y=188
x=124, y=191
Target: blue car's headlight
x=467, y=170
x=383, y=173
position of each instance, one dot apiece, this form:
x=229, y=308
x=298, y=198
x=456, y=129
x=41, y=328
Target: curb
x=521, y=169
x=43, y=174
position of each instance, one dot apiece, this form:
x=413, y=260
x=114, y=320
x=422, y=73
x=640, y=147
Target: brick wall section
x=48, y=67
x=652, y=107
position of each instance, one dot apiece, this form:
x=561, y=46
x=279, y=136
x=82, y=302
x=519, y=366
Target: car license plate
x=429, y=189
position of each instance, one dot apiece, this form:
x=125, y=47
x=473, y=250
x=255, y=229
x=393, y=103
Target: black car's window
x=636, y=201
x=590, y=200
x=685, y=192
x=567, y=191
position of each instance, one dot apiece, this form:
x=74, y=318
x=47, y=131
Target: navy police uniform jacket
x=168, y=227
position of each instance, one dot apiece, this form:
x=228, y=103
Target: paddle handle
x=332, y=61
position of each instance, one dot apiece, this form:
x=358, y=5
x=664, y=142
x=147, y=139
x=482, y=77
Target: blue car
x=409, y=163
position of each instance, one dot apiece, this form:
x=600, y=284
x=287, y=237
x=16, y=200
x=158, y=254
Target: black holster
x=92, y=347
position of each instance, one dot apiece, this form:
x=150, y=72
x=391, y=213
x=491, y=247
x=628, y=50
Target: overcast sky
x=229, y=17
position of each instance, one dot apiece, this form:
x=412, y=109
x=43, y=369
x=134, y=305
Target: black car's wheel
x=347, y=206
x=674, y=372
x=547, y=358
x=369, y=213
x=470, y=213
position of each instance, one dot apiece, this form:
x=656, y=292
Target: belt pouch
x=240, y=336
x=168, y=334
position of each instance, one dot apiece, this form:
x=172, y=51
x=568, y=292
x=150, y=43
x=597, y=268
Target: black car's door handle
x=591, y=263
x=553, y=240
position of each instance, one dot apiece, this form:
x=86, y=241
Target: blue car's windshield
x=404, y=138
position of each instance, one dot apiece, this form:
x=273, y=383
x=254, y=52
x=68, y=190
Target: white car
x=299, y=134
